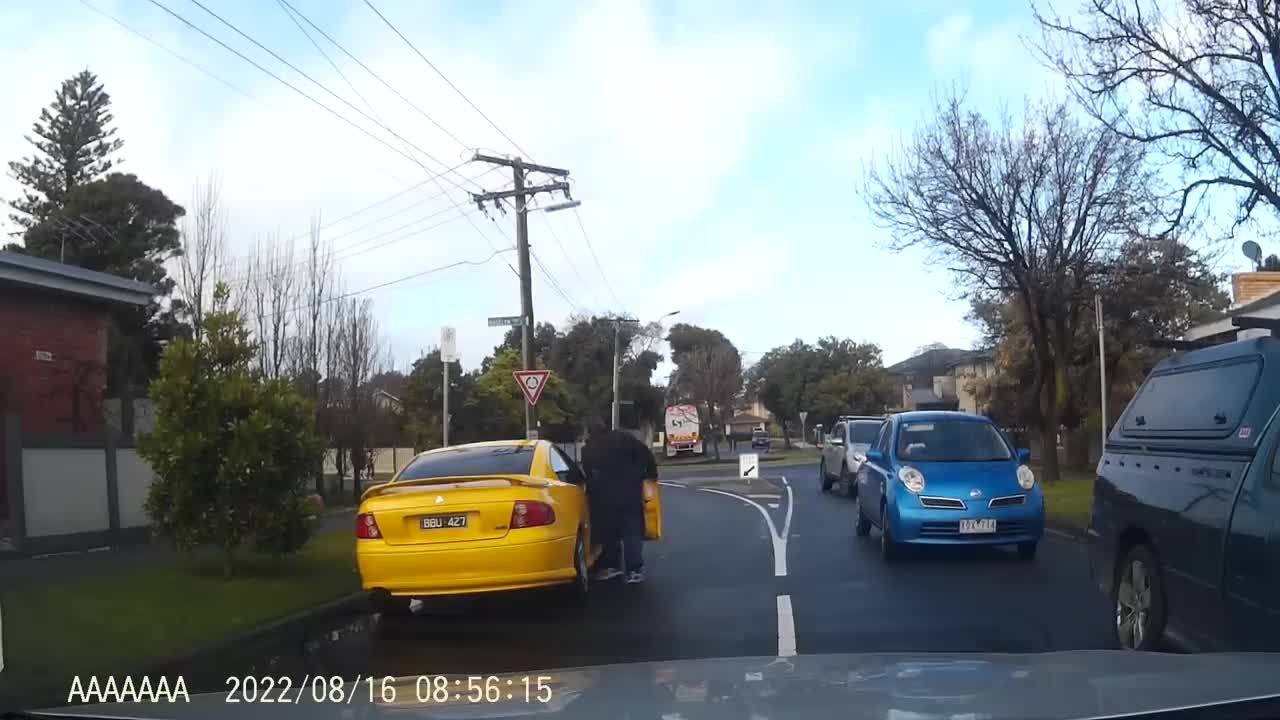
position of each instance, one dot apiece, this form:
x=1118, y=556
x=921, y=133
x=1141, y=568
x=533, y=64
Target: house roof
x=33, y=272
x=928, y=360
x=1220, y=323
x=744, y=418
x=973, y=357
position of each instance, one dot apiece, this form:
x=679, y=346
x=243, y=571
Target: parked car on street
x=481, y=517
x=844, y=451
x=947, y=478
x=760, y=439
x=1184, y=535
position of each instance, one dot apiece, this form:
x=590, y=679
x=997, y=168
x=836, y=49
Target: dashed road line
x=786, y=619
x=665, y=483
x=786, y=628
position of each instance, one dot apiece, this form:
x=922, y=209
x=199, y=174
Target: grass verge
x=1069, y=501
x=127, y=622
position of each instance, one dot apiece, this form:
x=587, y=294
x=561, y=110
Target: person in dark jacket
x=617, y=464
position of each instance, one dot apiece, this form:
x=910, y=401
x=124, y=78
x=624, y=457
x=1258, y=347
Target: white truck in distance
x=683, y=430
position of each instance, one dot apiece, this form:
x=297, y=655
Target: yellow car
x=482, y=517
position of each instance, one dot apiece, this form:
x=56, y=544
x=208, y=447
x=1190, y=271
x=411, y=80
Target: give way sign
x=532, y=383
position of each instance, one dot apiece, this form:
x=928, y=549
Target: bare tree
x=712, y=376
x=273, y=288
x=360, y=357
x=1197, y=80
x=316, y=290
x=1027, y=212
x=203, y=260
x=331, y=397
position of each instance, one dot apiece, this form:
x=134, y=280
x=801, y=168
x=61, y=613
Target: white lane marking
x=671, y=484
x=791, y=504
x=1059, y=533
x=764, y=496
x=786, y=628
x=779, y=541
x=773, y=506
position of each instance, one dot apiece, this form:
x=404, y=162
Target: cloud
x=993, y=57
x=650, y=117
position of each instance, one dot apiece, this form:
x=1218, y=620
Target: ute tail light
x=367, y=527
x=530, y=513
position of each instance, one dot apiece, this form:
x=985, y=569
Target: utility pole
x=520, y=194
x=1102, y=369
x=616, y=415
x=445, y=416
x=618, y=322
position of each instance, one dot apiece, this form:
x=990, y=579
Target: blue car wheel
x=861, y=524
x=889, y=548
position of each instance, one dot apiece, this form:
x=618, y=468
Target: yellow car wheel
x=580, y=589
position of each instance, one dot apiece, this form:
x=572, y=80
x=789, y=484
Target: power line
x=337, y=256
x=447, y=80
x=500, y=131
x=379, y=286
x=599, y=267
x=422, y=112
x=287, y=84
x=487, y=119
x=198, y=67
x=180, y=57
x=322, y=86
x=565, y=252
x=554, y=284
x=376, y=76
x=366, y=208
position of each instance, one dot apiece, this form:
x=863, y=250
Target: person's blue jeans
x=620, y=530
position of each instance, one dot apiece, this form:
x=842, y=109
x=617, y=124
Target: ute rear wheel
x=1138, y=598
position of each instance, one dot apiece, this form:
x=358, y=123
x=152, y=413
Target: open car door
x=652, y=510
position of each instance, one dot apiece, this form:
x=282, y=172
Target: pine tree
x=75, y=143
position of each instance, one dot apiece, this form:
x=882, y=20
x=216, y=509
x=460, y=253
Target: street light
x=617, y=355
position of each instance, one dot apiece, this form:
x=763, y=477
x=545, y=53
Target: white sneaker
x=607, y=574
x=635, y=576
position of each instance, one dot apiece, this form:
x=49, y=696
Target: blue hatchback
x=948, y=478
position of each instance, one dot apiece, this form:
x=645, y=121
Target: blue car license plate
x=977, y=526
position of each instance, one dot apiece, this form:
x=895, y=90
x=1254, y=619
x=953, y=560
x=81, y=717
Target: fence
x=386, y=460
x=69, y=491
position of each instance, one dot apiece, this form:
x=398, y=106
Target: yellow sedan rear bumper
x=455, y=568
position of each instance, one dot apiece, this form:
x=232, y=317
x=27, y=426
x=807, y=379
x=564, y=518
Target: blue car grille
x=952, y=529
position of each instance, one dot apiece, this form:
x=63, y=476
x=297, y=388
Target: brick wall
x=48, y=394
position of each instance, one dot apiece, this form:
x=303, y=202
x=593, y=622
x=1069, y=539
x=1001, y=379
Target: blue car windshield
x=951, y=441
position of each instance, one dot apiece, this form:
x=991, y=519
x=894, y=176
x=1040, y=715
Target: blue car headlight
x=912, y=478
x=1026, y=478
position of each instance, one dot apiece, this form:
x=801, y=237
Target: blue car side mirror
x=1024, y=455
x=875, y=456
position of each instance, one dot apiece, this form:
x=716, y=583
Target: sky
x=717, y=147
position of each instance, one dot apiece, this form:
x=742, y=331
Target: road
x=716, y=587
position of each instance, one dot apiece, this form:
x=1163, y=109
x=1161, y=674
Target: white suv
x=844, y=450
